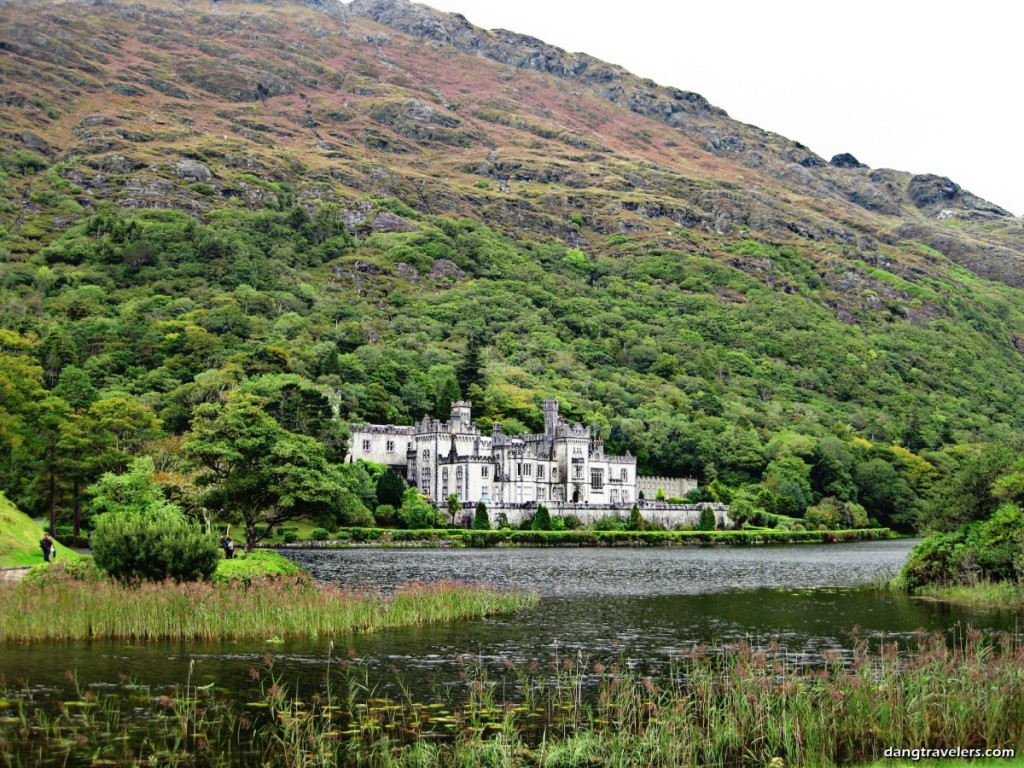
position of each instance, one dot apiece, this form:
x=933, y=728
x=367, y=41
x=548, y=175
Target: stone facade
x=564, y=464
x=674, y=487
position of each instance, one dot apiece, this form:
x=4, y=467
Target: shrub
x=319, y=534
x=609, y=523
x=636, y=520
x=256, y=565
x=290, y=538
x=572, y=523
x=415, y=512
x=936, y=560
x=386, y=515
x=81, y=569
x=153, y=547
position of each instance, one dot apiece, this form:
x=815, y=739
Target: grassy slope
x=19, y=538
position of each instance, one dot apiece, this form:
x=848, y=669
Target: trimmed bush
x=319, y=534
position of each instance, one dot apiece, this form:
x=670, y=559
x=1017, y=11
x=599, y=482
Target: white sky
x=924, y=87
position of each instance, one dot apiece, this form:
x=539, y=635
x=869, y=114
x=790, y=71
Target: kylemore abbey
x=564, y=468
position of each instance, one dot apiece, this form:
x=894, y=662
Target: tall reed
x=284, y=607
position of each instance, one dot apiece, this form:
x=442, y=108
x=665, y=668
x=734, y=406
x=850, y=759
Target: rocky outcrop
x=845, y=160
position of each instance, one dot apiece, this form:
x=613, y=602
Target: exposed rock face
x=846, y=160
x=385, y=221
x=192, y=170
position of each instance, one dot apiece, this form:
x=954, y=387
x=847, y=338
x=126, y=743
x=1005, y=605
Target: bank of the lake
x=448, y=537
x=990, y=594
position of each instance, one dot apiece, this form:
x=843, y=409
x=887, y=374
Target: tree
x=481, y=522
x=470, y=367
x=453, y=505
x=831, y=474
x=256, y=471
x=415, y=512
x=300, y=407
x=636, y=520
x=140, y=535
x=123, y=425
x=390, y=488
x=885, y=494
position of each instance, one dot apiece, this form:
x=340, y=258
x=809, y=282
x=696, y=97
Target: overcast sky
x=925, y=87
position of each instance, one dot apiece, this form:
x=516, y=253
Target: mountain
x=382, y=199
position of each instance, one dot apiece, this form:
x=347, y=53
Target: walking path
x=12, y=574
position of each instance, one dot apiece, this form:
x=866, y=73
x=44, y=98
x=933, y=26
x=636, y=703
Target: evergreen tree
x=707, y=520
x=636, y=520
x=481, y=522
x=542, y=520
x=469, y=370
x=390, y=488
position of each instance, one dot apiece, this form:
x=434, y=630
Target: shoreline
x=446, y=539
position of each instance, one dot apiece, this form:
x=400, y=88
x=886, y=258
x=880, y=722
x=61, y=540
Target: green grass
x=260, y=564
x=19, y=538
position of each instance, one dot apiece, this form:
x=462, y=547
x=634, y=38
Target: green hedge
x=584, y=538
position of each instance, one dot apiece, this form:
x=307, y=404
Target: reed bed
x=284, y=607
x=735, y=707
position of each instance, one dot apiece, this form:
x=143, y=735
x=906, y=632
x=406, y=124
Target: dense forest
x=839, y=373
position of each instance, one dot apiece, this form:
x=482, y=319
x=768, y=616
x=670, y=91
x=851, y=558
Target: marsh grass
x=283, y=607
x=729, y=707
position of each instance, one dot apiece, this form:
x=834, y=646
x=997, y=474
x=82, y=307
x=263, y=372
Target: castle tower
x=550, y=417
x=461, y=419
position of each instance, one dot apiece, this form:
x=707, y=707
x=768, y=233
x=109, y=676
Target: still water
x=635, y=604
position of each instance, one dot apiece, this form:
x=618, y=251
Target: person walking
x=46, y=544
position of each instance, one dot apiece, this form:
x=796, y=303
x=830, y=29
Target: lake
x=637, y=604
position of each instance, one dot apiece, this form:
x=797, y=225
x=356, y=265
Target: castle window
x=485, y=472
x=625, y=474
x=540, y=471
x=458, y=474
x=528, y=469
x=577, y=472
x=391, y=446
x=426, y=455
x=554, y=472
x=542, y=494
x=444, y=473
x=519, y=470
x=597, y=479
x=425, y=480
x=366, y=445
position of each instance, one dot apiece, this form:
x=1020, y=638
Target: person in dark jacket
x=46, y=544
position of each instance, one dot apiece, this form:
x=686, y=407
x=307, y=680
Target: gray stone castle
x=564, y=468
